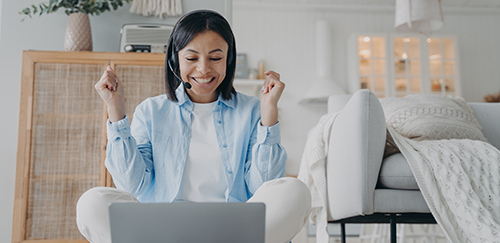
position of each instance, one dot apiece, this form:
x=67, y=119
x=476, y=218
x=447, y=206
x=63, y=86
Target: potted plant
x=78, y=34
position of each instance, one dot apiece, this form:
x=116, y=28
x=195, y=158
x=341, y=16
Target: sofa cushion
x=395, y=173
x=431, y=117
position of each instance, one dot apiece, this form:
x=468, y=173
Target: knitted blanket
x=313, y=173
x=460, y=181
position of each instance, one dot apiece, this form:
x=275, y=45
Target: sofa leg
x=342, y=232
x=393, y=228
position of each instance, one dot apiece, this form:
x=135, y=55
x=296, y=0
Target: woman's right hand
x=112, y=93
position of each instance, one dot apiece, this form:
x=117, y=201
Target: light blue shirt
x=147, y=158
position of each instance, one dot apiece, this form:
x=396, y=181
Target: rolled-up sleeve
x=125, y=162
x=268, y=157
x=119, y=129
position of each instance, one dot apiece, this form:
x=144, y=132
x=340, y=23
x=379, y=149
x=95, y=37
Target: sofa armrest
x=355, y=153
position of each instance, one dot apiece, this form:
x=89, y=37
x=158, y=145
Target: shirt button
x=224, y=146
x=220, y=122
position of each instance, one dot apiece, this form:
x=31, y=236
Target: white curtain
x=157, y=8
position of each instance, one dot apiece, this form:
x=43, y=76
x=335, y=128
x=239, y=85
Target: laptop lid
x=183, y=222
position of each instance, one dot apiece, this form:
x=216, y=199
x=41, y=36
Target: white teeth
x=203, y=80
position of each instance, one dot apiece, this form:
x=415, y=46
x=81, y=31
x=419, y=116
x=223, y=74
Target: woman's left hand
x=271, y=93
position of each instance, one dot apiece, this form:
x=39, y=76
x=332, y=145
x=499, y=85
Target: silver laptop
x=187, y=222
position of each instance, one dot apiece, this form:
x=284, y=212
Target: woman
x=202, y=142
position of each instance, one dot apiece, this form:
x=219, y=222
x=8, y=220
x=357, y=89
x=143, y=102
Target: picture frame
x=241, y=66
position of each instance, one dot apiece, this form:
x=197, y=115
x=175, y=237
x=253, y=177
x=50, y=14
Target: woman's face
x=202, y=63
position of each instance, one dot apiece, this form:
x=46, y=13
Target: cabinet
x=62, y=134
x=398, y=65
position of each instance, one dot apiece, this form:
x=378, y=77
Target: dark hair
x=186, y=28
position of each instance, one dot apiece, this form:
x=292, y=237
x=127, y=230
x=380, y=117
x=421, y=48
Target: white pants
x=287, y=200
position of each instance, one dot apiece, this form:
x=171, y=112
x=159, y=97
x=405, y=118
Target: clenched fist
x=112, y=93
x=271, y=93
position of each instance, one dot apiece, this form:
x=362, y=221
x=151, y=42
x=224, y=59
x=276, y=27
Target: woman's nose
x=203, y=67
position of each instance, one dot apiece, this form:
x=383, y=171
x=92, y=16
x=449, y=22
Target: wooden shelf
x=250, y=82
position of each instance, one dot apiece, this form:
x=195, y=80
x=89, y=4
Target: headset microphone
x=186, y=84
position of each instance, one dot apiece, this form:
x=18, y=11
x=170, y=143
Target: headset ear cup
x=173, y=61
x=230, y=59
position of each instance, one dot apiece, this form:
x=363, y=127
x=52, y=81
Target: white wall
x=280, y=34
x=283, y=36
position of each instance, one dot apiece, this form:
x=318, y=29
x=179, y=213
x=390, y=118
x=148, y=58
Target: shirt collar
x=183, y=98
x=230, y=103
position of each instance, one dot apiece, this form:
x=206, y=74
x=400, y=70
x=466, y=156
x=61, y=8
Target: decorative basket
x=492, y=97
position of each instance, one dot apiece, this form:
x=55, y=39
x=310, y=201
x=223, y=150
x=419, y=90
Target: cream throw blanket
x=313, y=173
x=459, y=179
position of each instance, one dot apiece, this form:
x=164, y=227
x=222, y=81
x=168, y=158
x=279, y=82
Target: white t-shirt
x=204, y=178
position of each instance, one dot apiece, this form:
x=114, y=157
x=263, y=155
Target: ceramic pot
x=78, y=33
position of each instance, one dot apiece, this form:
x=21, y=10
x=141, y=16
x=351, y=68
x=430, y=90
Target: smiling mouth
x=204, y=80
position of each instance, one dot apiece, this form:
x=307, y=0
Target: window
x=407, y=66
x=395, y=66
x=372, y=70
x=442, y=63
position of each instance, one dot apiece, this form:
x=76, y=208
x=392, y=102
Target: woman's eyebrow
x=212, y=51
x=216, y=50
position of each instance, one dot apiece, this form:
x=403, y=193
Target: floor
x=407, y=233
x=303, y=237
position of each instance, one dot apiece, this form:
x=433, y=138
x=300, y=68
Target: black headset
x=172, y=62
x=173, y=59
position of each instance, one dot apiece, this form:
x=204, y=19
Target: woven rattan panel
x=140, y=82
x=65, y=153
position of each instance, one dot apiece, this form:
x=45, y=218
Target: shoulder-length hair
x=186, y=28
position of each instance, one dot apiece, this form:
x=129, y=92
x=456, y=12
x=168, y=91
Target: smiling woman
x=201, y=141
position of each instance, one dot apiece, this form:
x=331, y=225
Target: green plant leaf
x=106, y=6
x=91, y=7
x=26, y=11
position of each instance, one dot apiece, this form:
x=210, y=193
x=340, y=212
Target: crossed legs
x=287, y=200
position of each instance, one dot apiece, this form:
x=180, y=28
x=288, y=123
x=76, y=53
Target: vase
x=78, y=33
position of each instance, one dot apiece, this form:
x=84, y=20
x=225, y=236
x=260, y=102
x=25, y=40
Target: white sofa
x=362, y=186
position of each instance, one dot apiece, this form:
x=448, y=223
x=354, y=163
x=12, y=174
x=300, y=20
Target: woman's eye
x=191, y=59
x=216, y=59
